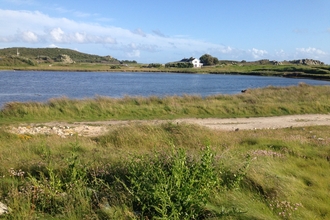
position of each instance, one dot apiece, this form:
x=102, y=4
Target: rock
x=64, y=59
x=276, y=63
x=3, y=209
x=307, y=62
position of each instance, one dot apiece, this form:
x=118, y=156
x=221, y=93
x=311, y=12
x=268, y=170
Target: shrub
x=155, y=65
x=114, y=67
x=171, y=186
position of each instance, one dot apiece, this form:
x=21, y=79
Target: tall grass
x=270, y=101
x=169, y=171
x=131, y=172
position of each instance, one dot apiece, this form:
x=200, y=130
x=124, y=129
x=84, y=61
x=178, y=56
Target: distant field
x=313, y=72
x=51, y=59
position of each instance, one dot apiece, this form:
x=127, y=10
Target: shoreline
x=293, y=75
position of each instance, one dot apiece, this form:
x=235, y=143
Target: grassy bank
x=321, y=72
x=169, y=171
x=270, y=101
x=150, y=171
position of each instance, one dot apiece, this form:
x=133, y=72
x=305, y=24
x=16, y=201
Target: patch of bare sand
x=229, y=124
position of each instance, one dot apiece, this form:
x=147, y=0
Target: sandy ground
x=230, y=124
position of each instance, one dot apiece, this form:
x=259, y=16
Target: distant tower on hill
x=17, y=52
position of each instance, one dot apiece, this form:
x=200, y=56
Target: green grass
x=169, y=171
x=270, y=101
x=40, y=54
x=97, y=178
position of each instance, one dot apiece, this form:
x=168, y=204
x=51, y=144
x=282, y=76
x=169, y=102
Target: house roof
x=187, y=59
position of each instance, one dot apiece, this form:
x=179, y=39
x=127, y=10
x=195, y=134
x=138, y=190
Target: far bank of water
x=42, y=85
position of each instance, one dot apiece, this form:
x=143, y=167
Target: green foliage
x=16, y=61
x=128, y=62
x=48, y=177
x=270, y=101
x=114, y=67
x=172, y=186
x=52, y=191
x=53, y=53
x=180, y=65
x=208, y=60
x=154, y=65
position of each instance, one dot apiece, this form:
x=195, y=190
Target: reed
x=270, y=101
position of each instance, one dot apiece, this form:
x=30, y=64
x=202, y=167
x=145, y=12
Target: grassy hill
x=9, y=56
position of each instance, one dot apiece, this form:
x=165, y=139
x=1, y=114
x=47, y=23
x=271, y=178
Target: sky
x=157, y=31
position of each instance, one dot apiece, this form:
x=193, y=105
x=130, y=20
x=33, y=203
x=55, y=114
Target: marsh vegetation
x=169, y=171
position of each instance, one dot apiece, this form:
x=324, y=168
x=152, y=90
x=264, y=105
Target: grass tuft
x=270, y=101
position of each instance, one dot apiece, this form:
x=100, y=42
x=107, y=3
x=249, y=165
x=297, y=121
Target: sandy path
x=229, y=124
x=262, y=122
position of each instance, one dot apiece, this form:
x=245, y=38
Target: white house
x=196, y=62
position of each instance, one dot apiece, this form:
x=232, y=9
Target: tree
x=208, y=60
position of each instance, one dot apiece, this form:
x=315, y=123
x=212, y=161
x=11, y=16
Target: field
x=302, y=71
x=169, y=170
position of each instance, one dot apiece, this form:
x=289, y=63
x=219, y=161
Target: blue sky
x=162, y=31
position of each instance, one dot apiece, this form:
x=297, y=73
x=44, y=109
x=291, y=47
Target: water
x=43, y=85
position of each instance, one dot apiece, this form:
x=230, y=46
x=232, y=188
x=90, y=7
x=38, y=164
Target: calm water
x=41, y=86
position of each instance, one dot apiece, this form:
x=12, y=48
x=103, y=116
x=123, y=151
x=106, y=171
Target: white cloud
x=52, y=46
x=310, y=52
x=57, y=35
x=258, y=54
x=134, y=54
x=38, y=28
x=29, y=36
x=226, y=50
x=42, y=28
x=80, y=38
x=281, y=55
x=7, y=39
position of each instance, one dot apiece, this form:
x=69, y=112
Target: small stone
x=3, y=209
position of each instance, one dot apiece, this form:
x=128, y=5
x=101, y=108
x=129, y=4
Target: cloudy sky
x=161, y=31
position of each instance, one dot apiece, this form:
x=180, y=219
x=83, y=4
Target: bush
x=114, y=67
x=180, y=65
x=173, y=186
x=155, y=65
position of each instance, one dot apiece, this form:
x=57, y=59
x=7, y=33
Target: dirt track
x=230, y=124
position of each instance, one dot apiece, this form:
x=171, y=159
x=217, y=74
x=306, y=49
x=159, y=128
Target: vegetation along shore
x=167, y=170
